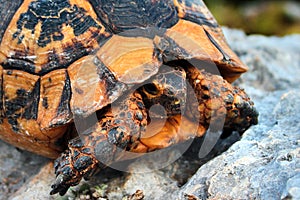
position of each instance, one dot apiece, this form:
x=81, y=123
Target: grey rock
x=37, y=187
x=273, y=61
x=16, y=168
x=263, y=164
x=293, y=187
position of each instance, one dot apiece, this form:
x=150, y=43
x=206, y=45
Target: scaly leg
x=118, y=128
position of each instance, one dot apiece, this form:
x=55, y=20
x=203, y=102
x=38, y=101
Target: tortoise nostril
x=151, y=89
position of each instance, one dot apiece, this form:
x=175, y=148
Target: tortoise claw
x=66, y=175
x=74, y=164
x=60, y=185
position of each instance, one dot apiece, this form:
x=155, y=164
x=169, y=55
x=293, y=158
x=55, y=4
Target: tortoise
x=63, y=61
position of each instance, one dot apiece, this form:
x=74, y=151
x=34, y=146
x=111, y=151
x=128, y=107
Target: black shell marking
x=122, y=15
x=53, y=15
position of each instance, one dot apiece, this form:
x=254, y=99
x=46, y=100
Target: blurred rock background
x=272, y=17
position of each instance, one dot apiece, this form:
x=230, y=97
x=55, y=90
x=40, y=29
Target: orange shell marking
x=43, y=49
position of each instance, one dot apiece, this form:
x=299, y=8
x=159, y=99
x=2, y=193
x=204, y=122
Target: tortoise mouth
x=248, y=116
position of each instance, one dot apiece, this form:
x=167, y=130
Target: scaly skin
x=124, y=126
x=217, y=99
x=120, y=127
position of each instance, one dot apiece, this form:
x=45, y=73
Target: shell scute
x=42, y=33
x=196, y=14
x=55, y=95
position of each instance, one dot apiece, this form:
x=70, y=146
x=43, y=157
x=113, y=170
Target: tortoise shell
x=61, y=58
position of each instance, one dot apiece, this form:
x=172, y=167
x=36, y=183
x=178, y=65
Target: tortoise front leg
x=118, y=129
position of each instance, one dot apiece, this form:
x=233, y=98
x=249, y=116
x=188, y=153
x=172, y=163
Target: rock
x=273, y=61
x=38, y=185
x=16, y=167
x=293, y=188
x=263, y=164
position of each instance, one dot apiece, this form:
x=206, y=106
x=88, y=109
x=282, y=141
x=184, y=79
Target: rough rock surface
x=264, y=164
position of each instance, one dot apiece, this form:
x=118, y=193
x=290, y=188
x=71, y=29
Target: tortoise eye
x=151, y=89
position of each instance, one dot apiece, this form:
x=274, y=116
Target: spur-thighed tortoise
x=66, y=60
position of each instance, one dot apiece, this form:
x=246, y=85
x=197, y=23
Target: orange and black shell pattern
x=62, y=60
x=60, y=57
